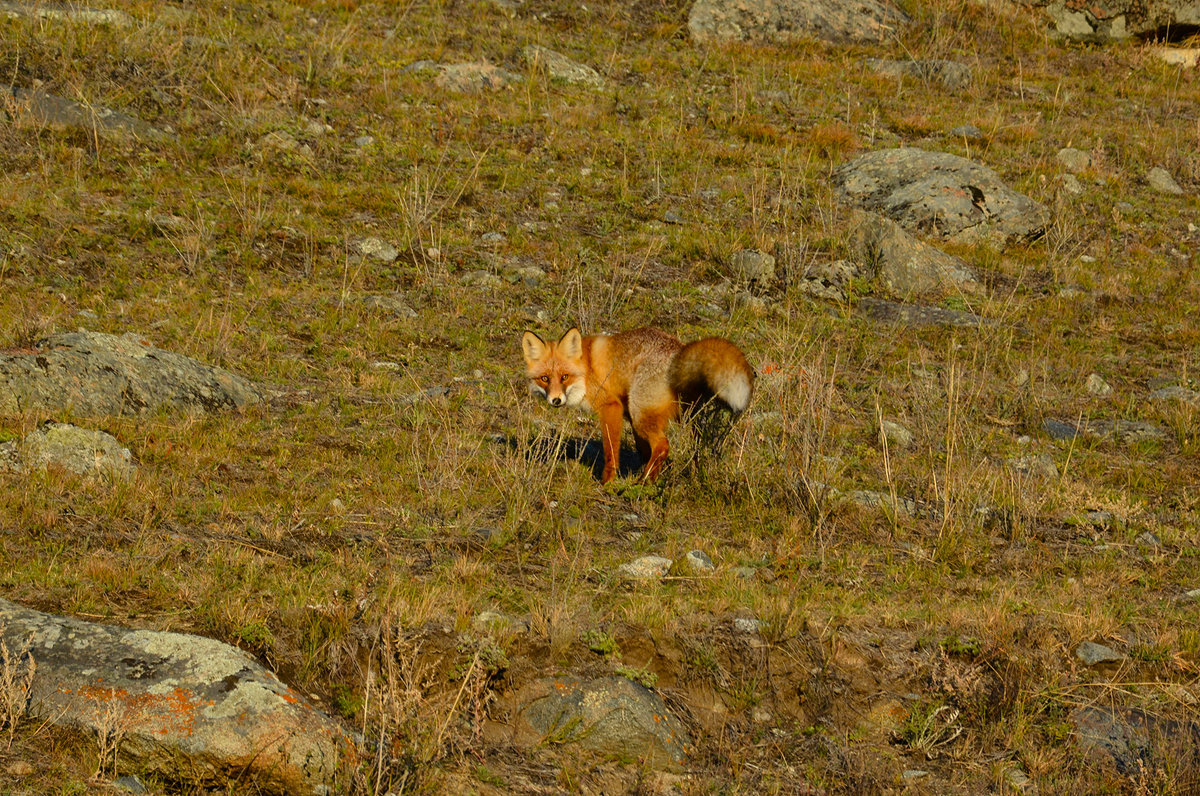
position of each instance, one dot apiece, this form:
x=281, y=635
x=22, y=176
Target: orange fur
x=645, y=375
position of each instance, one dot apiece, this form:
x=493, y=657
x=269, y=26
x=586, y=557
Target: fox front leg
x=612, y=418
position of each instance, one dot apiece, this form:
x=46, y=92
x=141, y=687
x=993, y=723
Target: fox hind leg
x=650, y=435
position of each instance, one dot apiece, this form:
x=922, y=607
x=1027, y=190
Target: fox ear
x=570, y=345
x=533, y=346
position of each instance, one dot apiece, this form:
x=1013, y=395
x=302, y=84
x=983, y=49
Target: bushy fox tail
x=712, y=368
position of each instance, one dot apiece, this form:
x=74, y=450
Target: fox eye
x=543, y=379
x=564, y=378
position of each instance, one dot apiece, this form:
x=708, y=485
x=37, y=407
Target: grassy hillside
x=401, y=481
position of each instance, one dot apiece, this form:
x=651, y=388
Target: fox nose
x=557, y=400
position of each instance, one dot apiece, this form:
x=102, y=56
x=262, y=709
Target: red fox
x=645, y=375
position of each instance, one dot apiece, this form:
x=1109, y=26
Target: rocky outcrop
x=91, y=373
x=781, y=21
x=178, y=706
x=1114, y=20
x=943, y=195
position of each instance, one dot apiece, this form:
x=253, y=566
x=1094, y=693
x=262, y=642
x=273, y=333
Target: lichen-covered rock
x=609, y=715
x=1114, y=20
x=940, y=194
x=185, y=707
x=91, y=373
x=82, y=451
x=562, y=68
x=473, y=78
x=781, y=21
x=904, y=265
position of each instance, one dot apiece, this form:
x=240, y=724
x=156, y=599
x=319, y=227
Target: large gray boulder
x=609, y=715
x=781, y=21
x=1114, y=20
x=943, y=195
x=91, y=373
x=182, y=707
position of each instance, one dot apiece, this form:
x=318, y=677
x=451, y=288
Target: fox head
x=556, y=369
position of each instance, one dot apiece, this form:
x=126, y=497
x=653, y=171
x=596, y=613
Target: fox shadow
x=588, y=452
x=708, y=425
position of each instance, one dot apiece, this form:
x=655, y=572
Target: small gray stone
x=1129, y=432
x=377, y=249
x=1059, y=430
x=1161, y=180
x=751, y=265
x=493, y=621
x=282, y=141
x=870, y=499
x=480, y=278
x=473, y=78
x=1148, y=539
x=364, y=141
x=1192, y=596
x=1019, y=781
x=1074, y=160
x=967, y=131
x=423, y=65
x=697, y=562
x=645, y=568
x=492, y=240
x=747, y=302
x=129, y=783
x=611, y=715
x=1099, y=519
x=672, y=217
x=1071, y=184
x=78, y=450
x=1097, y=386
x=562, y=68
x=393, y=304
x=1093, y=654
x=913, y=774
x=1176, y=393
x=745, y=573
x=1039, y=464
x=746, y=625
x=896, y=434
